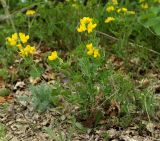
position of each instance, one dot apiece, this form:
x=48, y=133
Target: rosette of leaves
x=45, y=96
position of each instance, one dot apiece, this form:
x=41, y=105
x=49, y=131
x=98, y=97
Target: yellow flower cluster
x=19, y=40
x=110, y=9
x=28, y=50
x=123, y=9
x=53, y=56
x=12, y=41
x=30, y=12
x=86, y=24
x=115, y=2
x=15, y=38
x=24, y=38
x=109, y=19
x=144, y=5
x=113, y=6
x=92, y=51
x=157, y=1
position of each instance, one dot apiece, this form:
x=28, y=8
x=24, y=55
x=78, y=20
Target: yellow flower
x=89, y=46
x=123, y=9
x=92, y=51
x=110, y=9
x=96, y=53
x=90, y=27
x=115, y=2
x=109, y=19
x=28, y=50
x=23, y=53
x=30, y=12
x=144, y=5
x=119, y=10
x=81, y=28
x=86, y=20
x=131, y=12
x=53, y=56
x=24, y=38
x=15, y=36
x=11, y=41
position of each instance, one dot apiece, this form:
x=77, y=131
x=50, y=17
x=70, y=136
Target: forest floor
x=20, y=122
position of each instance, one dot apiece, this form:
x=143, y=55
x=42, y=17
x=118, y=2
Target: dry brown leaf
x=114, y=109
x=144, y=82
x=5, y=99
x=116, y=61
x=2, y=100
x=34, y=80
x=150, y=127
x=9, y=98
x=49, y=75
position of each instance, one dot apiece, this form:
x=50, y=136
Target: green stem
x=7, y=13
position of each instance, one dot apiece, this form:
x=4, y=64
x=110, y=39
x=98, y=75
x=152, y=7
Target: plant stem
x=7, y=13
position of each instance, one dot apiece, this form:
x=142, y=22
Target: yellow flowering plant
x=119, y=20
x=55, y=61
x=53, y=56
x=31, y=14
x=83, y=43
x=84, y=75
x=18, y=43
x=86, y=24
x=89, y=57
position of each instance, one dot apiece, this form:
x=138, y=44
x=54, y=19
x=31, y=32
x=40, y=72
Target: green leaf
x=152, y=22
x=156, y=28
x=36, y=72
x=4, y=92
x=155, y=10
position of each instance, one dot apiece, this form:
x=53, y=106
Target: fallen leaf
x=5, y=99
x=150, y=127
x=144, y=82
x=2, y=100
x=114, y=109
x=20, y=84
x=34, y=80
